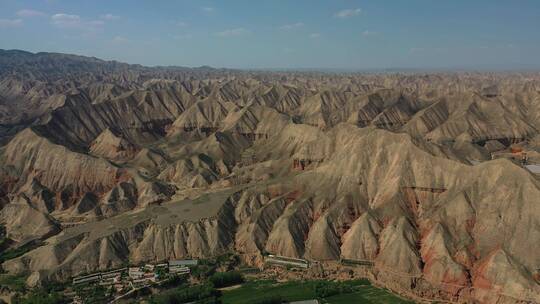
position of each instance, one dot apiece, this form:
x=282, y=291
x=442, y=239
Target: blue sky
x=282, y=33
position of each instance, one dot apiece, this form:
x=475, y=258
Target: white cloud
x=120, y=39
x=95, y=23
x=233, y=32
x=109, y=17
x=27, y=13
x=179, y=23
x=67, y=21
x=368, y=33
x=291, y=26
x=10, y=22
x=182, y=36
x=208, y=9
x=347, y=13
x=314, y=35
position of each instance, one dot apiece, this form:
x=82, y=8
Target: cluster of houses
x=133, y=277
x=520, y=155
x=516, y=153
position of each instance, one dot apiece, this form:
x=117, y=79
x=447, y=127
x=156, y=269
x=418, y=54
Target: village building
x=91, y=278
x=188, y=263
x=111, y=280
x=305, y=302
x=113, y=273
x=286, y=261
x=179, y=270
x=535, y=169
x=135, y=273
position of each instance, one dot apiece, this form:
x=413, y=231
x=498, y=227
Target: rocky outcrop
x=291, y=230
x=255, y=122
x=121, y=198
x=439, y=265
x=15, y=218
x=197, y=240
x=87, y=203
x=56, y=167
x=110, y=146
x=361, y=241
x=195, y=172
x=150, y=162
x=254, y=231
x=482, y=120
x=90, y=248
x=498, y=277
x=204, y=116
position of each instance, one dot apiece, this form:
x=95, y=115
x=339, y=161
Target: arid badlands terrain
x=430, y=176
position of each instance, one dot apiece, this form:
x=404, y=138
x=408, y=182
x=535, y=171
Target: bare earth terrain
x=431, y=179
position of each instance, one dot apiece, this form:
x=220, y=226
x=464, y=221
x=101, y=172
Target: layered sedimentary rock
x=111, y=146
x=24, y=223
x=423, y=179
x=56, y=166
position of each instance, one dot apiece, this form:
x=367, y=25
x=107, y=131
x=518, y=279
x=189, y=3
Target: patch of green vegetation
x=206, y=294
x=356, y=291
x=227, y=258
x=14, y=283
x=17, y=252
x=253, y=291
x=49, y=293
x=207, y=267
x=325, y=289
x=367, y=295
x=270, y=300
x=202, y=272
x=4, y=240
x=17, y=283
x=249, y=270
x=225, y=279
x=3, y=243
x=92, y=293
x=41, y=296
x=173, y=281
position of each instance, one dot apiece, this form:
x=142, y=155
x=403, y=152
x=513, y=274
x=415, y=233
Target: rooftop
x=182, y=262
x=533, y=168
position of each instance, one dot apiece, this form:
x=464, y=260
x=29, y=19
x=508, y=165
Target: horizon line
x=512, y=67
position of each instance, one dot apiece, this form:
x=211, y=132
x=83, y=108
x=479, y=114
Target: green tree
x=42, y=296
x=325, y=289
x=270, y=300
x=199, y=293
x=224, y=279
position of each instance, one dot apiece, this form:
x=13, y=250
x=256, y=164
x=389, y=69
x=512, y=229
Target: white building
x=183, y=263
x=135, y=273
x=179, y=270
x=87, y=279
x=533, y=168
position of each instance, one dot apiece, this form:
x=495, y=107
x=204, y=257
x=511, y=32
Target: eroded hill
x=426, y=176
